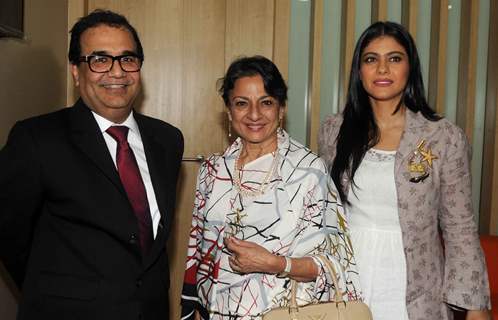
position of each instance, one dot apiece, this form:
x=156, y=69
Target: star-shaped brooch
x=420, y=163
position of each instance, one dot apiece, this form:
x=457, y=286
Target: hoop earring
x=229, y=128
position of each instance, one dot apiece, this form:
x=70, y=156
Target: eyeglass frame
x=113, y=58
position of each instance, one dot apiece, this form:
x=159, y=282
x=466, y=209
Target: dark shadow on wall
x=33, y=83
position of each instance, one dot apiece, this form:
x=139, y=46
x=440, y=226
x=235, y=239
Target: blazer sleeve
x=20, y=198
x=465, y=276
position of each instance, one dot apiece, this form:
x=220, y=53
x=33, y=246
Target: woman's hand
x=478, y=315
x=249, y=257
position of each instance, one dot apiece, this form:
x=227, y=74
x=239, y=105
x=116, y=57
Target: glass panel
x=331, y=58
x=480, y=103
x=299, y=57
x=453, y=49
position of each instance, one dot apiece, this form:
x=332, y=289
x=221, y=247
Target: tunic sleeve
x=189, y=298
x=323, y=231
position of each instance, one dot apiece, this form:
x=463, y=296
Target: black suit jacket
x=67, y=230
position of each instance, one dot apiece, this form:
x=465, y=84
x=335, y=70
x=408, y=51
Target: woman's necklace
x=264, y=184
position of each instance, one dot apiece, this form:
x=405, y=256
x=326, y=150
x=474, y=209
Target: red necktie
x=133, y=185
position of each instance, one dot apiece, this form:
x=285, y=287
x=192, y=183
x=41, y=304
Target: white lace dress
x=376, y=236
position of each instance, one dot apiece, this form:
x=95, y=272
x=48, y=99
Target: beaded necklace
x=264, y=184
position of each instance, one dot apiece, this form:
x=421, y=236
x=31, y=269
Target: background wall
x=33, y=81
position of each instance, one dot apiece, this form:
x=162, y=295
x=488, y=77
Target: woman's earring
x=229, y=126
x=280, y=124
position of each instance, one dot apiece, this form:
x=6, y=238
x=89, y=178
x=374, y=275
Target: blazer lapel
x=415, y=130
x=86, y=135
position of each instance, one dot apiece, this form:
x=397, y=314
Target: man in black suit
x=87, y=193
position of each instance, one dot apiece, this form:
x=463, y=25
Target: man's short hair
x=94, y=19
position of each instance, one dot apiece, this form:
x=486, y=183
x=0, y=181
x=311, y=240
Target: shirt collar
x=104, y=124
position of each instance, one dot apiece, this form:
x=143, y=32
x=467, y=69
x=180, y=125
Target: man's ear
x=76, y=74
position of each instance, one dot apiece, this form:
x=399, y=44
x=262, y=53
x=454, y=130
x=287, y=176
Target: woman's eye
x=267, y=102
x=369, y=59
x=240, y=103
x=395, y=59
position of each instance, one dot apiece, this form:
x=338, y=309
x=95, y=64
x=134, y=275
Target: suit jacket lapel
x=157, y=163
x=86, y=135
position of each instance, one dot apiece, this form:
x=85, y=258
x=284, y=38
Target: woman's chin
x=257, y=138
x=253, y=140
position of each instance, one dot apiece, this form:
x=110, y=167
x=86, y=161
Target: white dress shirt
x=135, y=142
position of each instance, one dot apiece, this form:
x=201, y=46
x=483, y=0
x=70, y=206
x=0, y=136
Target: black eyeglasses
x=102, y=63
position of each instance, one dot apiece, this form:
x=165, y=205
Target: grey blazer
x=440, y=205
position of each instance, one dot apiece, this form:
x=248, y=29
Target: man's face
x=110, y=94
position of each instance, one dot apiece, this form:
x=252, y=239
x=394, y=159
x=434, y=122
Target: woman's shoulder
x=445, y=129
x=451, y=129
x=212, y=162
x=443, y=136
x=329, y=129
x=302, y=156
x=332, y=121
x=215, y=157
x=327, y=136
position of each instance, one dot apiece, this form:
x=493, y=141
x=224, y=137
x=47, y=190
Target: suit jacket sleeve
x=465, y=276
x=21, y=197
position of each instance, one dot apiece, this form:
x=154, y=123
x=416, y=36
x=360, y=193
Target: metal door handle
x=197, y=158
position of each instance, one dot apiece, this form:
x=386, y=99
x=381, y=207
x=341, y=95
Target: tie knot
x=119, y=133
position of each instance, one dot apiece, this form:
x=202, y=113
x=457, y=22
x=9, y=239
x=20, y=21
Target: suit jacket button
x=133, y=239
x=139, y=283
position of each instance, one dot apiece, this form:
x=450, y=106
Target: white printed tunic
x=298, y=215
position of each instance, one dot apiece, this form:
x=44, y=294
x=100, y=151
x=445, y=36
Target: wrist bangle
x=287, y=269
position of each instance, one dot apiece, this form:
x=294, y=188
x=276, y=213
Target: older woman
x=403, y=172
x=263, y=211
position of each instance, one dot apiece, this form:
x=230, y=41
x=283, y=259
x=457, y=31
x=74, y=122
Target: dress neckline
x=383, y=151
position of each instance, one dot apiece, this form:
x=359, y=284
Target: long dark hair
x=359, y=131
